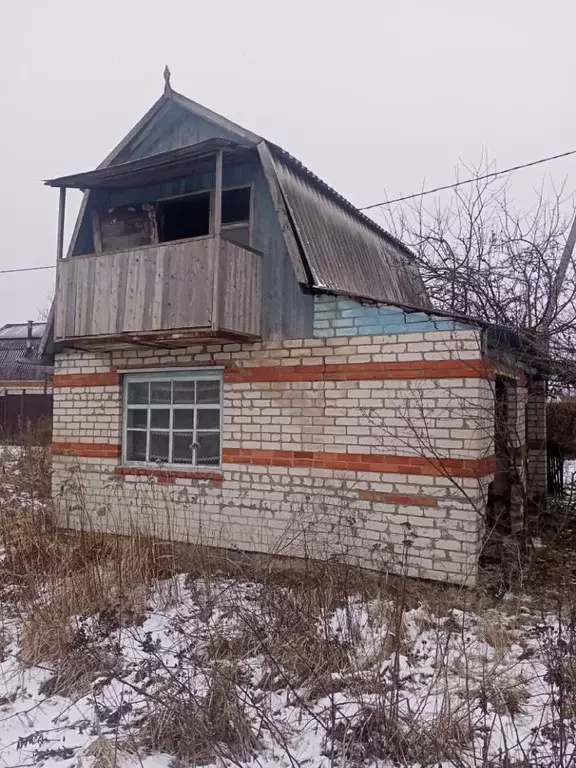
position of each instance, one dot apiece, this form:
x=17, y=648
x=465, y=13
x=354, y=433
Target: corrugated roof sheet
x=343, y=249
x=12, y=367
x=14, y=352
x=20, y=331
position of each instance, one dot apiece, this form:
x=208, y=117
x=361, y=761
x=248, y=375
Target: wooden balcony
x=172, y=292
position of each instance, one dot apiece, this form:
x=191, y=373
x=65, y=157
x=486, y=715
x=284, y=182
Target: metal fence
x=26, y=416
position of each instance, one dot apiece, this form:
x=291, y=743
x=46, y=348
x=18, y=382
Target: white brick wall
x=299, y=510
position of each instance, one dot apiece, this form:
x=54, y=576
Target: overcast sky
x=375, y=96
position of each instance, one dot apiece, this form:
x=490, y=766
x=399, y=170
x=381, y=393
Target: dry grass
x=62, y=578
x=50, y=577
x=377, y=733
x=104, y=753
x=200, y=729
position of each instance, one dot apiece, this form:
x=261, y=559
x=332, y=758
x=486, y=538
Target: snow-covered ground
x=487, y=685
x=280, y=673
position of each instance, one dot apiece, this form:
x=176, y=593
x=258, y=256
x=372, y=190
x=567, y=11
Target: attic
x=195, y=228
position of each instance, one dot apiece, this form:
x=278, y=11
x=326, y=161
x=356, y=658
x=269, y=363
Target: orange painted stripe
x=354, y=462
x=233, y=374
x=108, y=379
x=362, y=462
x=419, y=369
x=391, y=498
x=92, y=450
x=169, y=475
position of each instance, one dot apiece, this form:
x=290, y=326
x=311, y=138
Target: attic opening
x=180, y=218
x=190, y=216
x=184, y=218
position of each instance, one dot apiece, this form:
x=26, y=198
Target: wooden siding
x=167, y=287
x=171, y=128
x=287, y=307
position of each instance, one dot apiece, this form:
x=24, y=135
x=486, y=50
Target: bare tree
x=479, y=255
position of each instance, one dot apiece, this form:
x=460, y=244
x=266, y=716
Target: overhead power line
x=27, y=269
x=469, y=181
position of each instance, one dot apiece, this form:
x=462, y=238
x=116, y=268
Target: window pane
x=235, y=205
x=159, y=442
x=184, y=392
x=138, y=392
x=208, y=391
x=208, y=451
x=136, y=448
x=160, y=418
x=160, y=392
x=240, y=235
x=183, y=448
x=208, y=418
x=183, y=218
x=183, y=418
x=138, y=418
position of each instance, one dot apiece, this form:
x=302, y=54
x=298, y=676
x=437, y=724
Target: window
x=236, y=215
x=173, y=419
x=184, y=217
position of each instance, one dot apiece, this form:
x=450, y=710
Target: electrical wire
x=26, y=269
x=491, y=175
x=468, y=181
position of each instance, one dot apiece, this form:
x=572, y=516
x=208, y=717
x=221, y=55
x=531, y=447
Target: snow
x=440, y=665
x=318, y=682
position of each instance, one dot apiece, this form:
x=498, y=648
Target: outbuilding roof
x=16, y=348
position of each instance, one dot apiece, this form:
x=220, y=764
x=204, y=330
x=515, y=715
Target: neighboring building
x=245, y=360
x=19, y=344
x=25, y=386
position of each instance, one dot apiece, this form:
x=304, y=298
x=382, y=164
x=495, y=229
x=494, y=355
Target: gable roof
x=331, y=243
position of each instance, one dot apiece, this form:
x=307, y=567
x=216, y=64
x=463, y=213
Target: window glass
x=173, y=421
x=235, y=205
x=138, y=391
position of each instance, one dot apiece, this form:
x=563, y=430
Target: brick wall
x=343, y=316
x=537, y=465
x=343, y=447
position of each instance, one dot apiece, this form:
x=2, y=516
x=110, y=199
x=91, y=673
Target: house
x=25, y=386
x=245, y=360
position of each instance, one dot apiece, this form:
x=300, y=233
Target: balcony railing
x=203, y=285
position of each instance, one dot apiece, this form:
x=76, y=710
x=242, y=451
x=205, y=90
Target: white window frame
x=212, y=374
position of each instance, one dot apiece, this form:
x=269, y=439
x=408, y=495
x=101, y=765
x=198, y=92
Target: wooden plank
x=61, y=219
x=217, y=227
x=241, y=298
x=121, y=293
x=72, y=302
x=87, y=297
x=149, y=272
x=59, y=306
x=157, y=302
x=100, y=322
x=129, y=321
x=166, y=287
x=282, y=213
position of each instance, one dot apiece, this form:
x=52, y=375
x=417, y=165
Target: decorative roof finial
x=167, y=86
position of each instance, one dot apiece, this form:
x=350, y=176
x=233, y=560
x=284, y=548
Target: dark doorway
x=500, y=501
x=184, y=218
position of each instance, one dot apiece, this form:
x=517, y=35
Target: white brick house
x=244, y=360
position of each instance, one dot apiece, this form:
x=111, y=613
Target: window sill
x=168, y=476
